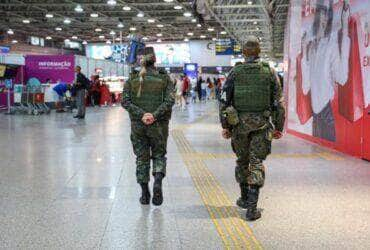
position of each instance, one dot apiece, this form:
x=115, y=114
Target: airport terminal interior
x=86, y=89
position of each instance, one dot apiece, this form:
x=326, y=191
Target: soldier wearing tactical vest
x=148, y=97
x=252, y=114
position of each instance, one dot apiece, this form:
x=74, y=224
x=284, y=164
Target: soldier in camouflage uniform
x=252, y=114
x=148, y=97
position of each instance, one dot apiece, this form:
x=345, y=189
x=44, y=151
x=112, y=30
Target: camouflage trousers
x=251, y=149
x=149, y=143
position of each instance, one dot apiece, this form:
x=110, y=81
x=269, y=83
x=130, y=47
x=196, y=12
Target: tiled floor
x=67, y=184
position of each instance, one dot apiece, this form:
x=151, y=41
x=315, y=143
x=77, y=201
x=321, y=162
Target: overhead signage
x=227, y=46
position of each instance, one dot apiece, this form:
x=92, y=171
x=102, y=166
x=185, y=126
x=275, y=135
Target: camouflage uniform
x=155, y=96
x=251, y=137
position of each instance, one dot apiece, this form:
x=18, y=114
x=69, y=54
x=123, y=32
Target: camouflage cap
x=148, y=58
x=252, y=42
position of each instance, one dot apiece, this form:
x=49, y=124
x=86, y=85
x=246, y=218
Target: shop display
x=115, y=84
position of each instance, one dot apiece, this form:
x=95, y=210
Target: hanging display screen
x=227, y=47
x=116, y=52
x=171, y=54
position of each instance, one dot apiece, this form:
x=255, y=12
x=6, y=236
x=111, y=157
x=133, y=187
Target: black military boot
x=252, y=199
x=145, y=194
x=157, y=199
x=242, y=201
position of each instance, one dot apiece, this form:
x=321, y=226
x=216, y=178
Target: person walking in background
x=218, y=88
x=185, y=90
x=208, y=88
x=178, y=89
x=199, y=88
x=105, y=95
x=204, y=91
x=95, y=91
x=81, y=85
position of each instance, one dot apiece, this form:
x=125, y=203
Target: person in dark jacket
x=199, y=88
x=81, y=85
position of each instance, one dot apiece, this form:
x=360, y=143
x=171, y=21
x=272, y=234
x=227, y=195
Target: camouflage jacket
x=162, y=113
x=254, y=120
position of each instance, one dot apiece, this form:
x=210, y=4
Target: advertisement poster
x=328, y=70
x=171, y=54
x=58, y=67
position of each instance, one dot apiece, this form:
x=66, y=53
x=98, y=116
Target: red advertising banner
x=328, y=77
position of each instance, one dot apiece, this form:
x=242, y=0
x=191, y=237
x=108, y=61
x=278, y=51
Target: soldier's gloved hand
x=148, y=119
x=226, y=134
x=277, y=134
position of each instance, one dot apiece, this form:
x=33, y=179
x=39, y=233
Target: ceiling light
x=159, y=40
x=10, y=32
x=190, y=34
x=255, y=22
x=112, y=32
x=250, y=2
x=120, y=25
x=126, y=8
x=49, y=15
x=84, y=42
x=199, y=25
x=214, y=39
x=48, y=38
x=151, y=20
x=74, y=37
x=177, y=7
x=118, y=39
x=186, y=40
x=101, y=37
x=145, y=38
x=202, y=36
x=112, y=2
x=132, y=28
x=98, y=30
x=187, y=14
x=58, y=29
x=79, y=8
x=26, y=21
x=67, y=41
x=211, y=29
x=140, y=14
x=160, y=25
x=257, y=28
x=168, y=1
x=193, y=20
x=223, y=32
x=108, y=42
x=159, y=34
x=94, y=14
x=67, y=21
x=14, y=41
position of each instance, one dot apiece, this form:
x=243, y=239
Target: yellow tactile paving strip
x=232, y=228
x=323, y=155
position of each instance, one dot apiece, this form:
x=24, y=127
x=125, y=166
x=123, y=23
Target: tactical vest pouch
x=231, y=116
